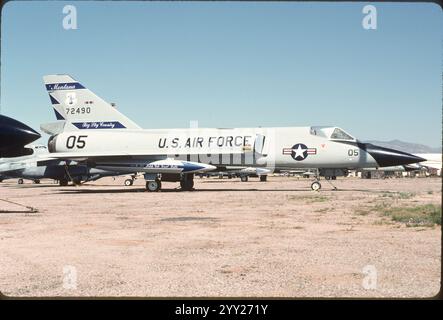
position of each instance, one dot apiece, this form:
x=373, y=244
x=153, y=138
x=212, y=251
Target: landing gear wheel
x=20, y=181
x=129, y=182
x=244, y=178
x=187, y=184
x=263, y=178
x=36, y=181
x=63, y=182
x=153, y=185
x=316, y=186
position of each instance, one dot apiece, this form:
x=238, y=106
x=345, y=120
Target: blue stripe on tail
x=58, y=115
x=53, y=100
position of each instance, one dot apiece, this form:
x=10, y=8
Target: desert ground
x=370, y=238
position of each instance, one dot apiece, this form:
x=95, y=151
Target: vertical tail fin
x=81, y=107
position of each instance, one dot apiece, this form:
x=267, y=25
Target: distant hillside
x=406, y=146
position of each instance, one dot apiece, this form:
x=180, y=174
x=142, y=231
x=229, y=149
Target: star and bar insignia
x=299, y=151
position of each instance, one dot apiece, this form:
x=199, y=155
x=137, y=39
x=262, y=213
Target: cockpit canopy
x=332, y=133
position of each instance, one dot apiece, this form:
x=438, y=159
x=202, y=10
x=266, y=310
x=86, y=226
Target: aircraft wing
x=82, y=156
x=91, y=155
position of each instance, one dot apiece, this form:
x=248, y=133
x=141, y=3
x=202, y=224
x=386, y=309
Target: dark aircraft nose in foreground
x=386, y=157
x=14, y=134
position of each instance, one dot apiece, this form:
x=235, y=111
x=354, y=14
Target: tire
x=37, y=181
x=129, y=182
x=244, y=178
x=334, y=177
x=263, y=178
x=20, y=181
x=187, y=184
x=153, y=185
x=327, y=177
x=316, y=186
x=63, y=182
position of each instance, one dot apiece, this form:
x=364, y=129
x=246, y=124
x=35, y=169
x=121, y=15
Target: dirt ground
x=225, y=239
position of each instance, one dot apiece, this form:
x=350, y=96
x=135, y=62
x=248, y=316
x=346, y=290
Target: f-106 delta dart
x=91, y=130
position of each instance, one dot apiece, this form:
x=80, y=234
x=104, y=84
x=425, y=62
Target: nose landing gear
x=316, y=185
x=130, y=181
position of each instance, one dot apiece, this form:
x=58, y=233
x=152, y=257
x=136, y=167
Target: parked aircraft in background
x=93, y=132
x=433, y=161
x=239, y=172
x=14, y=136
x=39, y=165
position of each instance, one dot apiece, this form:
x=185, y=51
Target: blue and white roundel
x=299, y=151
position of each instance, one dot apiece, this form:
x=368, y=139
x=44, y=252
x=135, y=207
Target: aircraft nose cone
x=197, y=167
x=386, y=157
x=13, y=133
x=210, y=167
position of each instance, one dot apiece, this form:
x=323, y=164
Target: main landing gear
x=154, y=181
x=63, y=182
x=153, y=185
x=187, y=183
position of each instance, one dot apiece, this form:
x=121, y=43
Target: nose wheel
x=316, y=185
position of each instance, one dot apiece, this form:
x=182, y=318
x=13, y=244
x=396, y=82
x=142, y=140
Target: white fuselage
x=277, y=148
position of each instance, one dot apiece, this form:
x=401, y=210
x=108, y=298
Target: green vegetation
x=422, y=215
x=322, y=210
x=398, y=195
x=426, y=215
x=309, y=199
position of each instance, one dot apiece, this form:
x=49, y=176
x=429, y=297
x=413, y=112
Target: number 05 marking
x=73, y=141
x=353, y=152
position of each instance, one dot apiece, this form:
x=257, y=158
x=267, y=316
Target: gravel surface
x=227, y=238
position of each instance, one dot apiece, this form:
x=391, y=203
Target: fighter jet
x=93, y=131
x=14, y=136
x=242, y=172
x=39, y=165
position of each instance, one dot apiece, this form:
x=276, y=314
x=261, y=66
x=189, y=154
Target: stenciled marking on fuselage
x=99, y=125
x=200, y=142
x=163, y=166
x=299, y=151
